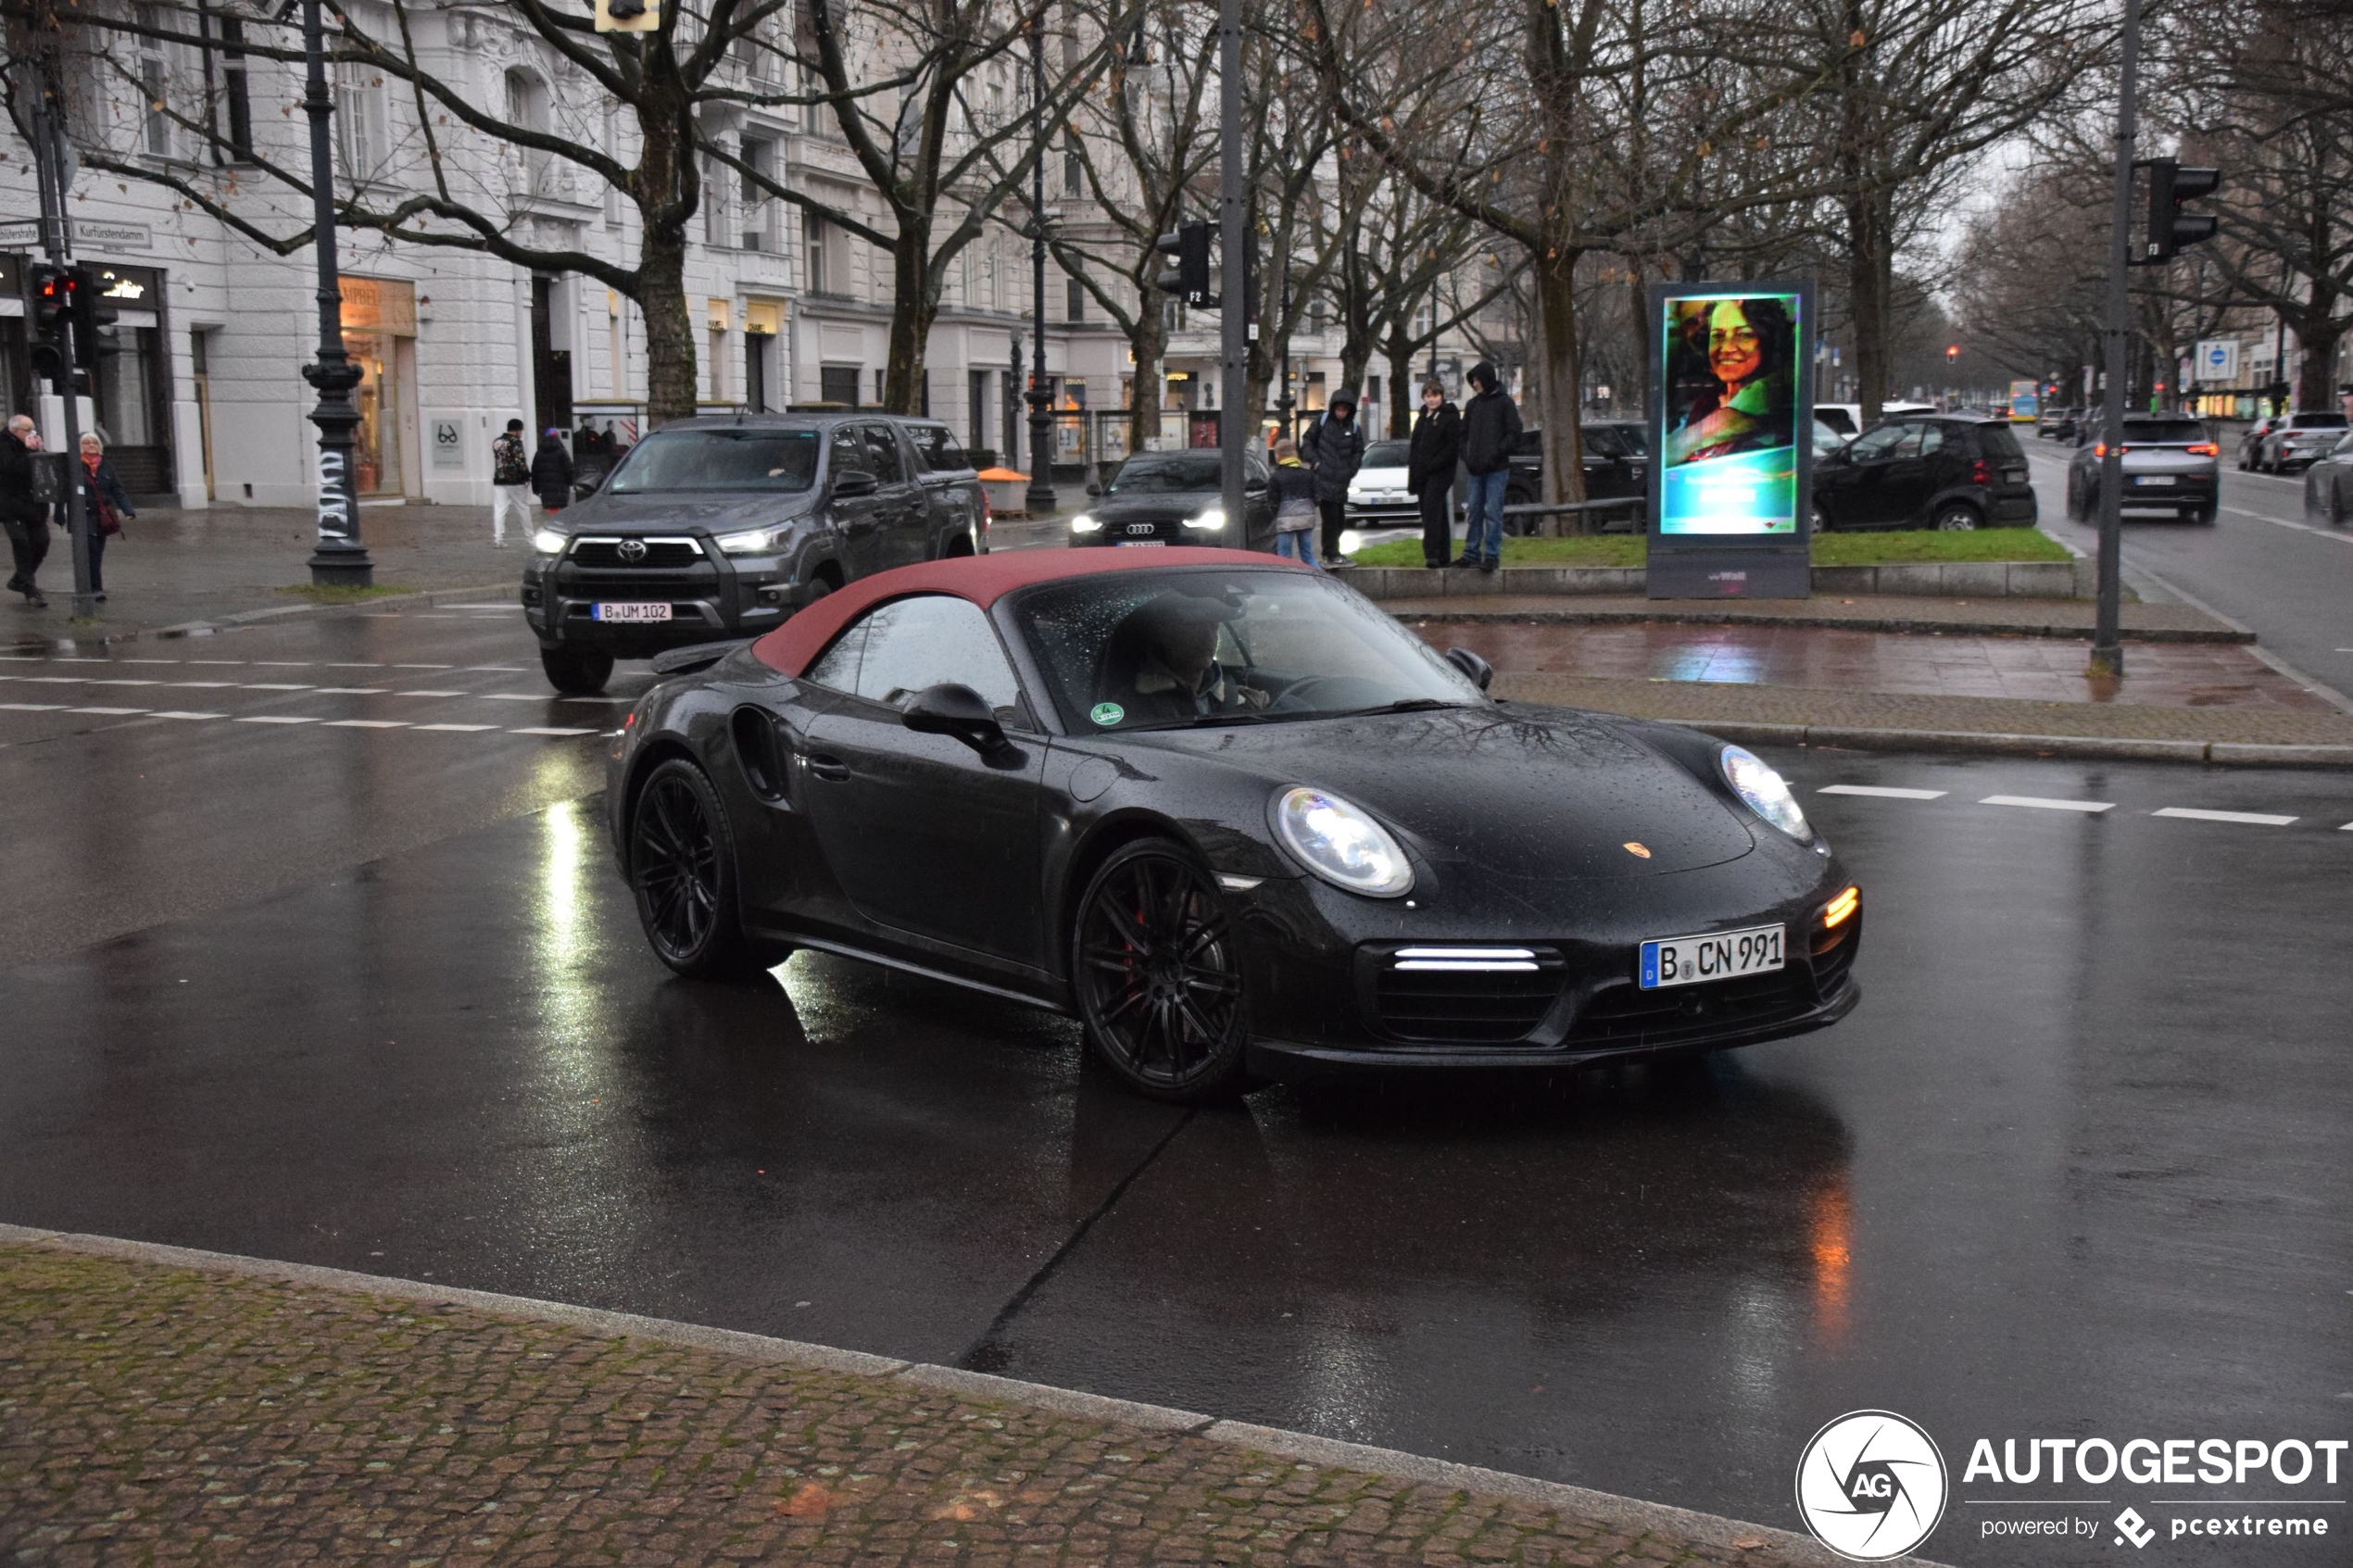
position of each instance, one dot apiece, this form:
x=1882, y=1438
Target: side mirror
x=1482, y=675
x=1094, y=490
x=857, y=481
x=949, y=708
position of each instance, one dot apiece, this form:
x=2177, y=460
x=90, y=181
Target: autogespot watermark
x=1873, y=1485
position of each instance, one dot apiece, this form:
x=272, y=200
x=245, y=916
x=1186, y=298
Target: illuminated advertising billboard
x=1732, y=405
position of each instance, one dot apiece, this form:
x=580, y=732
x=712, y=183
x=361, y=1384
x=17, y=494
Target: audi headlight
x=1341, y=844
x=1086, y=522
x=1766, y=792
x=550, y=541
x=750, y=542
x=1209, y=521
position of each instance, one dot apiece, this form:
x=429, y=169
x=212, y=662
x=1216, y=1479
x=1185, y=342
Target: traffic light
x=50, y=287
x=91, y=315
x=49, y=360
x=1188, y=279
x=2169, y=227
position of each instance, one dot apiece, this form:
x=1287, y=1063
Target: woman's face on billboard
x=1733, y=352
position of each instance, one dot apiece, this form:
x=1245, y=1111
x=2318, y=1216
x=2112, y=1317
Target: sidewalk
x=172, y=566
x=1858, y=612
x=165, y=1407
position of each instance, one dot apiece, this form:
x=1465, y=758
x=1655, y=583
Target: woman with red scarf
x=105, y=504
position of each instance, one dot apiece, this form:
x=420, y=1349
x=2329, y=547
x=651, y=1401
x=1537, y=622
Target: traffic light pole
x=340, y=559
x=2108, y=642
x=49, y=137
x=1234, y=283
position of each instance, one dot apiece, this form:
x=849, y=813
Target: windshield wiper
x=1402, y=704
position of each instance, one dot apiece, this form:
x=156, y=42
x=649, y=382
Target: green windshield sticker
x=1107, y=714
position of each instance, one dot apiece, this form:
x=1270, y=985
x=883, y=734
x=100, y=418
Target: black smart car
x=1229, y=815
x=1178, y=499
x=712, y=528
x=1926, y=471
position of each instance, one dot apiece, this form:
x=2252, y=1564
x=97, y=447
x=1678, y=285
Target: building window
x=1074, y=166
x=758, y=159
x=359, y=114
x=715, y=203
x=879, y=373
x=1073, y=300
x=839, y=383
x=233, y=93
x=158, y=137
x=527, y=110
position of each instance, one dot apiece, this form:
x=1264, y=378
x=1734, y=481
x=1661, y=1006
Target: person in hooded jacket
x=1334, y=447
x=1490, y=425
x=551, y=472
x=1431, y=461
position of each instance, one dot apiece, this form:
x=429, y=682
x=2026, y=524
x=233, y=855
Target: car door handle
x=829, y=767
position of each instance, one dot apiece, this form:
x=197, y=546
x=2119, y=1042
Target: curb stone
x=2108, y=748
x=1913, y=624
x=1607, y=1508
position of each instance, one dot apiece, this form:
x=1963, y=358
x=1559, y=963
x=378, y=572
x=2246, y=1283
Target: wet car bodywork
x=1546, y=845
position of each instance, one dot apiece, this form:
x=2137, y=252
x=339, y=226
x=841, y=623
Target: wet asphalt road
x=2075, y=1168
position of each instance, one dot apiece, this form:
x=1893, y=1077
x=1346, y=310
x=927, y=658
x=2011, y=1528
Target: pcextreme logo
x=1871, y=1486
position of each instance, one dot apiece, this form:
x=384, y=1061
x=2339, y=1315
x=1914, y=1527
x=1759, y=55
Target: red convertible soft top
x=982, y=579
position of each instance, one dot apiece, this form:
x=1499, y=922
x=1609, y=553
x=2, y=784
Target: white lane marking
x=273, y=686
x=351, y=691
x=276, y=719
x=2337, y=535
x=592, y=699
x=216, y=661
x=107, y=710
x=459, y=729
x=32, y=707
x=366, y=724
x=492, y=669
x=121, y=681
x=2039, y=803
x=358, y=666
x=421, y=691
x=206, y=686
x=58, y=680
x=175, y=713
x=2196, y=814
x=421, y=667
x=283, y=663
x=1883, y=791
x=546, y=729
x=517, y=696
x=146, y=661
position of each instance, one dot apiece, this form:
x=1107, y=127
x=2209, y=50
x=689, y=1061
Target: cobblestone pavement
x=163, y=1414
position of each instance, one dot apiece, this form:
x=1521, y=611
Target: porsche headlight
x=1766, y=792
x=1086, y=522
x=550, y=541
x=750, y=542
x=1341, y=844
x=1209, y=521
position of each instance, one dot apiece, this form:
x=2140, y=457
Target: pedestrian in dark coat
x=1436, y=451
x=551, y=472
x=1489, y=426
x=105, y=503
x=23, y=514
x=1334, y=447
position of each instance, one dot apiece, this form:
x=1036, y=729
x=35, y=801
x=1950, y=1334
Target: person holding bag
x=106, y=503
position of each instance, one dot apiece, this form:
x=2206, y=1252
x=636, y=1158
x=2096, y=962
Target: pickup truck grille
x=661, y=555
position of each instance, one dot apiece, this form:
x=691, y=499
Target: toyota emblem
x=631, y=550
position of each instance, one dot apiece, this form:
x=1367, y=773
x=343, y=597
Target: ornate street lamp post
x=340, y=559
x=1039, y=498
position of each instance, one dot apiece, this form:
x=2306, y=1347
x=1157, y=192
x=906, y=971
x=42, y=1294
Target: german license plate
x=1142, y=544
x=629, y=612
x=2155, y=478
x=1726, y=955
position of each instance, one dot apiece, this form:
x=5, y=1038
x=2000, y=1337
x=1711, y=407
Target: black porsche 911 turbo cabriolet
x=1231, y=816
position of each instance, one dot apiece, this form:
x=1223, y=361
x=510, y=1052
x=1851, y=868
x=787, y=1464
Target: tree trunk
x=1149, y=342
x=912, y=309
x=2317, y=329
x=670, y=333
x=1553, y=380
x=1868, y=274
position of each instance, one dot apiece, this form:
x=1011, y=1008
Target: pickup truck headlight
x=752, y=541
x=550, y=541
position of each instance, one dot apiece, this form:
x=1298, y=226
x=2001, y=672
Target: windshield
x=2000, y=442
x=2162, y=433
x=1387, y=455
x=719, y=459
x=2320, y=422
x=1156, y=475
x=1143, y=651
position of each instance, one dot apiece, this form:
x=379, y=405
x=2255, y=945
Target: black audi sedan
x=1178, y=499
x=1230, y=816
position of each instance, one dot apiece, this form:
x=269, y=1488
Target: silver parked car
x=2328, y=485
x=2170, y=464
x=2297, y=439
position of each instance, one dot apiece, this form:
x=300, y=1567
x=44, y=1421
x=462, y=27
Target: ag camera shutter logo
x=1871, y=1486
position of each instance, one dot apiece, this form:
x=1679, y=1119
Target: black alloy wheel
x=1158, y=976
x=682, y=868
x=575, y=671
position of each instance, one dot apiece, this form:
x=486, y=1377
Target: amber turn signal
x=1836, y=911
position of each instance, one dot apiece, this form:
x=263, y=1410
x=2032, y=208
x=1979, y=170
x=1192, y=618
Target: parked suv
x=2170, y=464
x=717, y=528
x=1926, y=470
x=2058, y=424
x=2328, y=485
x=2295, y=440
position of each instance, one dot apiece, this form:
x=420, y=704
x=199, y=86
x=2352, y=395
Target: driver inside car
x=1170, y=645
